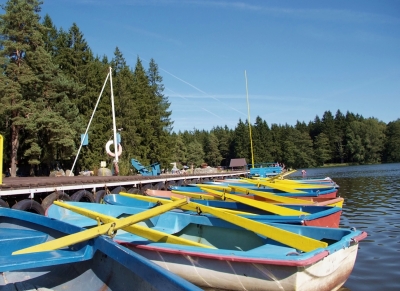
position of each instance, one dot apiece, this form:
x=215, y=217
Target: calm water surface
x=372, y=204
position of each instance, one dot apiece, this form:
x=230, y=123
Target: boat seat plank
x=24, y=286
x=15, y=239
x=58, y=257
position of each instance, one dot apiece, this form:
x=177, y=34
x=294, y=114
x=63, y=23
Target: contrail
x=185, y=82
x=212, y=113
x=200, y=107
x=203, y=92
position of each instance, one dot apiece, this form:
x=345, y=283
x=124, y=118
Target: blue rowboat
x=231, y=257
x=327, y=181
x=325, y=216
x=96, y=264
x=312, y=192
x=318, y=201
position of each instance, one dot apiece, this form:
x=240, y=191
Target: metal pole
x=248, y=113
x=114, y=122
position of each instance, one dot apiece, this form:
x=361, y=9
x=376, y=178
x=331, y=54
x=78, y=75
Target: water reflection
x=372, y=204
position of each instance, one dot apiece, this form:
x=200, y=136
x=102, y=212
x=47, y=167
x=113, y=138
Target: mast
x=113, y=117
x=248, y=119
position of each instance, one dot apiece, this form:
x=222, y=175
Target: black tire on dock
x=53, y=197
x=144, y=188
x=134, y=190
x=4, y=204
x=118, y=189
x=160, y=186
x=99, y=196
x=206, y=180
x=169, y=184
x=179, y=182
x=29, y=205
x=83, y=196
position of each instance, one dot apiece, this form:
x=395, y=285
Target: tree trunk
x=14, y=149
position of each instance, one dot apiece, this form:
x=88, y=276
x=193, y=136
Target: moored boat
x=330, y=192
x=95, y=264
x=231, y=257
x=319, y=201
x=308, y=215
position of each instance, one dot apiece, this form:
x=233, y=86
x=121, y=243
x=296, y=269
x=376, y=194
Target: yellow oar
x=148, y=233
x=280, y=187
x=297, y=185
x=288, y=238
x=276, y=177
x=108, y=228
x=291, y=184
x=185, y=207
x=270, y=196
x=280, y=210
x=281, y=175
x=204, y=196
x=285, y=188
x=264, y=194
x=213, y=186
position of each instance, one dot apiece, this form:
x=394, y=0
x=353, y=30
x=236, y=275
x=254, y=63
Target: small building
x=238, y=164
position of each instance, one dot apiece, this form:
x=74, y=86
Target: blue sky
x=301, y=58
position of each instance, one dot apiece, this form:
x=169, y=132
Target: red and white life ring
x=110, y=153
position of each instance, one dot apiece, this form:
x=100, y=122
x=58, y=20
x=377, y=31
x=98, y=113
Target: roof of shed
x=238, y=163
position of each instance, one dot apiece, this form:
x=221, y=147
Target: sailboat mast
x=113, y=117
x=248, y=119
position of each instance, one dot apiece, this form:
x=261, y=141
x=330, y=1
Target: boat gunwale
x=234, y=258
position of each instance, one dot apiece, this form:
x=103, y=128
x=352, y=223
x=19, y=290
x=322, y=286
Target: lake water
x=372, y=204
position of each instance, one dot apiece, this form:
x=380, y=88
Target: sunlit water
x=372, y=204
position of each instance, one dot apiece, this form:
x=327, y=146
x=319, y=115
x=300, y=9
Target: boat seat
x=271, y=250
x=23, y=286
x=15, y=239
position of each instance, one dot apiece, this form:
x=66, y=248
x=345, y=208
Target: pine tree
x=212, y=155
x=241, y=141
x=195, y=154
x=224, y=139
x=145, y=134
x=261, y=141
x=33, y=90
x=321, y=149
x=161, y=123
x=50, y=36
x=392, y=149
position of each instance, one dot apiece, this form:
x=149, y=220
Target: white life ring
x=110, y=153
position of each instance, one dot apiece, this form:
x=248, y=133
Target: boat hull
x=330, y=273
x=90, y=265
x=235, y=258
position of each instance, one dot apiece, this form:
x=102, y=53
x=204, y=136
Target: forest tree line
x=51, y=81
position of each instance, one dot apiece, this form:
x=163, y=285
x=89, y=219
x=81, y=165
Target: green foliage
x=392, y=146
x=50, y=82
x=195, y=154
x=212, y=155
x=321, y=149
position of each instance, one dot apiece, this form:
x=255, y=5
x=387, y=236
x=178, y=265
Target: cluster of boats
x=236, y=234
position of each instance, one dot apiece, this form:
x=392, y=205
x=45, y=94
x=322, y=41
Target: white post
x=114, y=122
